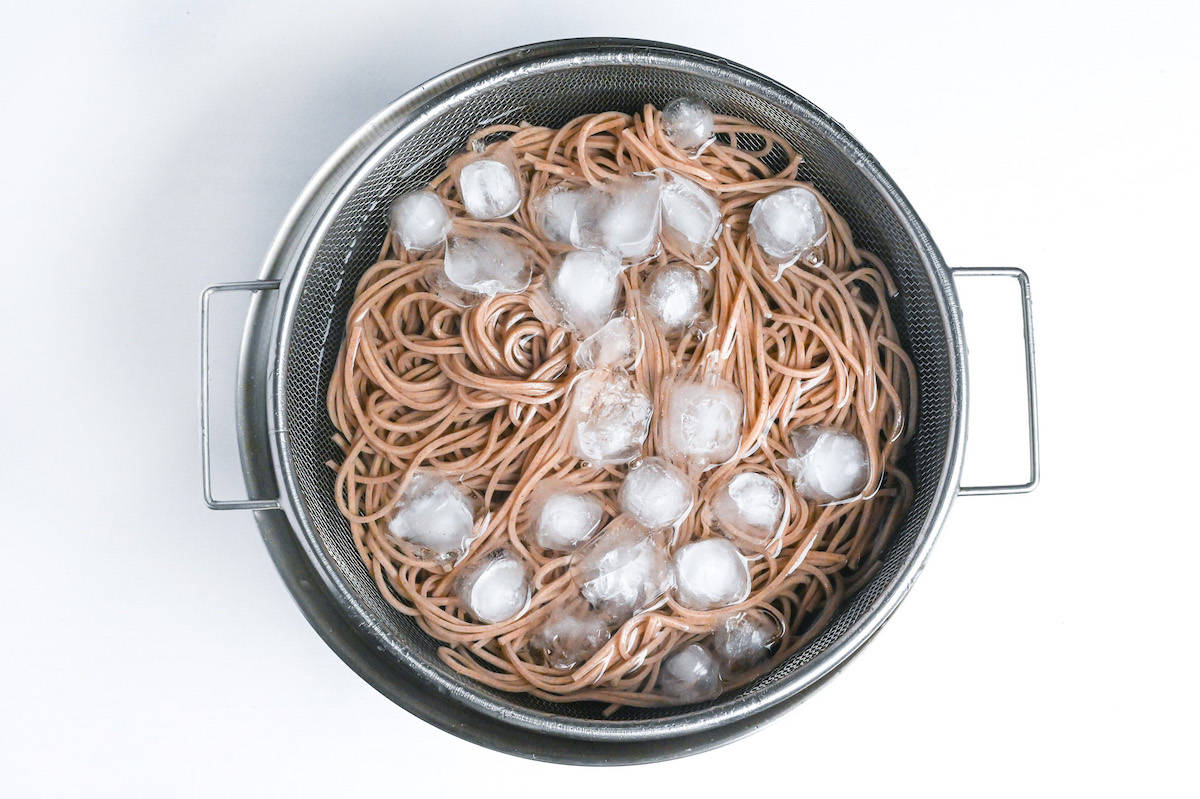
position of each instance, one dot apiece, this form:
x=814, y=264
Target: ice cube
x=611, y=417
x=750, y=504
x=618, y=344
x=691, y=218
x=689, y=675
x=688, y=123
x=564, y=211
x=744, y=640
x=489, y=189
x=788, y=224
x=624, y=570
x=827, y=464
x=496, y=589
x=434, y=517
x=420, y=220
x=655, y=493
x=570, y=637
x=586, y=287
x=628, y=220
x=703, y=421
x=562, y=516
x=711, y=574
x=674, y=297
x=487, y=263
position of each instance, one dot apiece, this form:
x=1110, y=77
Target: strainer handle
x=1035, y=466
x=205, y=454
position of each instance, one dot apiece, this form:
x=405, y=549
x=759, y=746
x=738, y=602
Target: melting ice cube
x=788, y=224
x=688, y=123
x=566, y=213
x=750, y=504
x=628, y=219
x=496, y=589
x=487, y=263
x=611, y=417
x=827, y=464
x=489, y=188
x=655, y=493
x=624, y=570
x=435, y=517
x=711, y=574
x=563, y=516
x=617, y=345
x=586, y=288
x=703, y=421
x=420, y=220
x=744, y=640
x=674, y=297
x=689, y=675
x=570, y=637
x=691, y=218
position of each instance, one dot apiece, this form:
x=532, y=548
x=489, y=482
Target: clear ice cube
x=711, y=574
x=743, y=640
x=569, y=637
x=496, y=589
x=624, y=570
x=616, y=345
x=565, y=212
x=490, y=189
x=628, y=218
x=688, y=123
x=562, y=516
x=610, y=415
x=434, y=517
x=586, y=287
x=751, y=505
x=420, y=220
x=788, y=224
x=674, y=297
x=487, y=263
x=691, y=218
x=827, y=464
x=703, y=421
x=689, y=675
x=656, y=493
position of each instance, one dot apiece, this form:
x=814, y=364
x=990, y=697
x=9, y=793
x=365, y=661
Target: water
x=827, y=464
x=711, y=574
x=487, y=263
x=688, y=124
x=586, y=288
x=703, y=421
x=611, y=417
x=420, y=220
x=624, y=570
x=690, y=675
x=435, y=517
x=655, y=493
x=489, y=188
x=788, y=224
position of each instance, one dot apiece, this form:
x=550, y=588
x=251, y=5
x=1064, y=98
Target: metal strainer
x=334, y=234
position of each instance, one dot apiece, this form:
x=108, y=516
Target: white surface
x=150, y=149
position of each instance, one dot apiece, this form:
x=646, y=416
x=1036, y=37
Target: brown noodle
x=480, y=393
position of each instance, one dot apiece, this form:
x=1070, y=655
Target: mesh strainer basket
x=334, y=234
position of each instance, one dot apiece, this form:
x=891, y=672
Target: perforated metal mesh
x=551, y=93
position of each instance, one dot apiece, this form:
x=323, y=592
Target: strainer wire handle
x=205, y=453
x=1035, y=467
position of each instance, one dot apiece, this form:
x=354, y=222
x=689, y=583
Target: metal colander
x=335, y=233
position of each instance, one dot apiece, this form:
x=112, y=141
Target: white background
x=149, y=149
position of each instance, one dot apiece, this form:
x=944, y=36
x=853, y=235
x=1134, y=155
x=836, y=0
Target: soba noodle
x=482, y=393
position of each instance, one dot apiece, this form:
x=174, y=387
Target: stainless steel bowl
x=334, y=233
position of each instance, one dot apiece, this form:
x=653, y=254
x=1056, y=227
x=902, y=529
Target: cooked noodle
x=482, y=393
